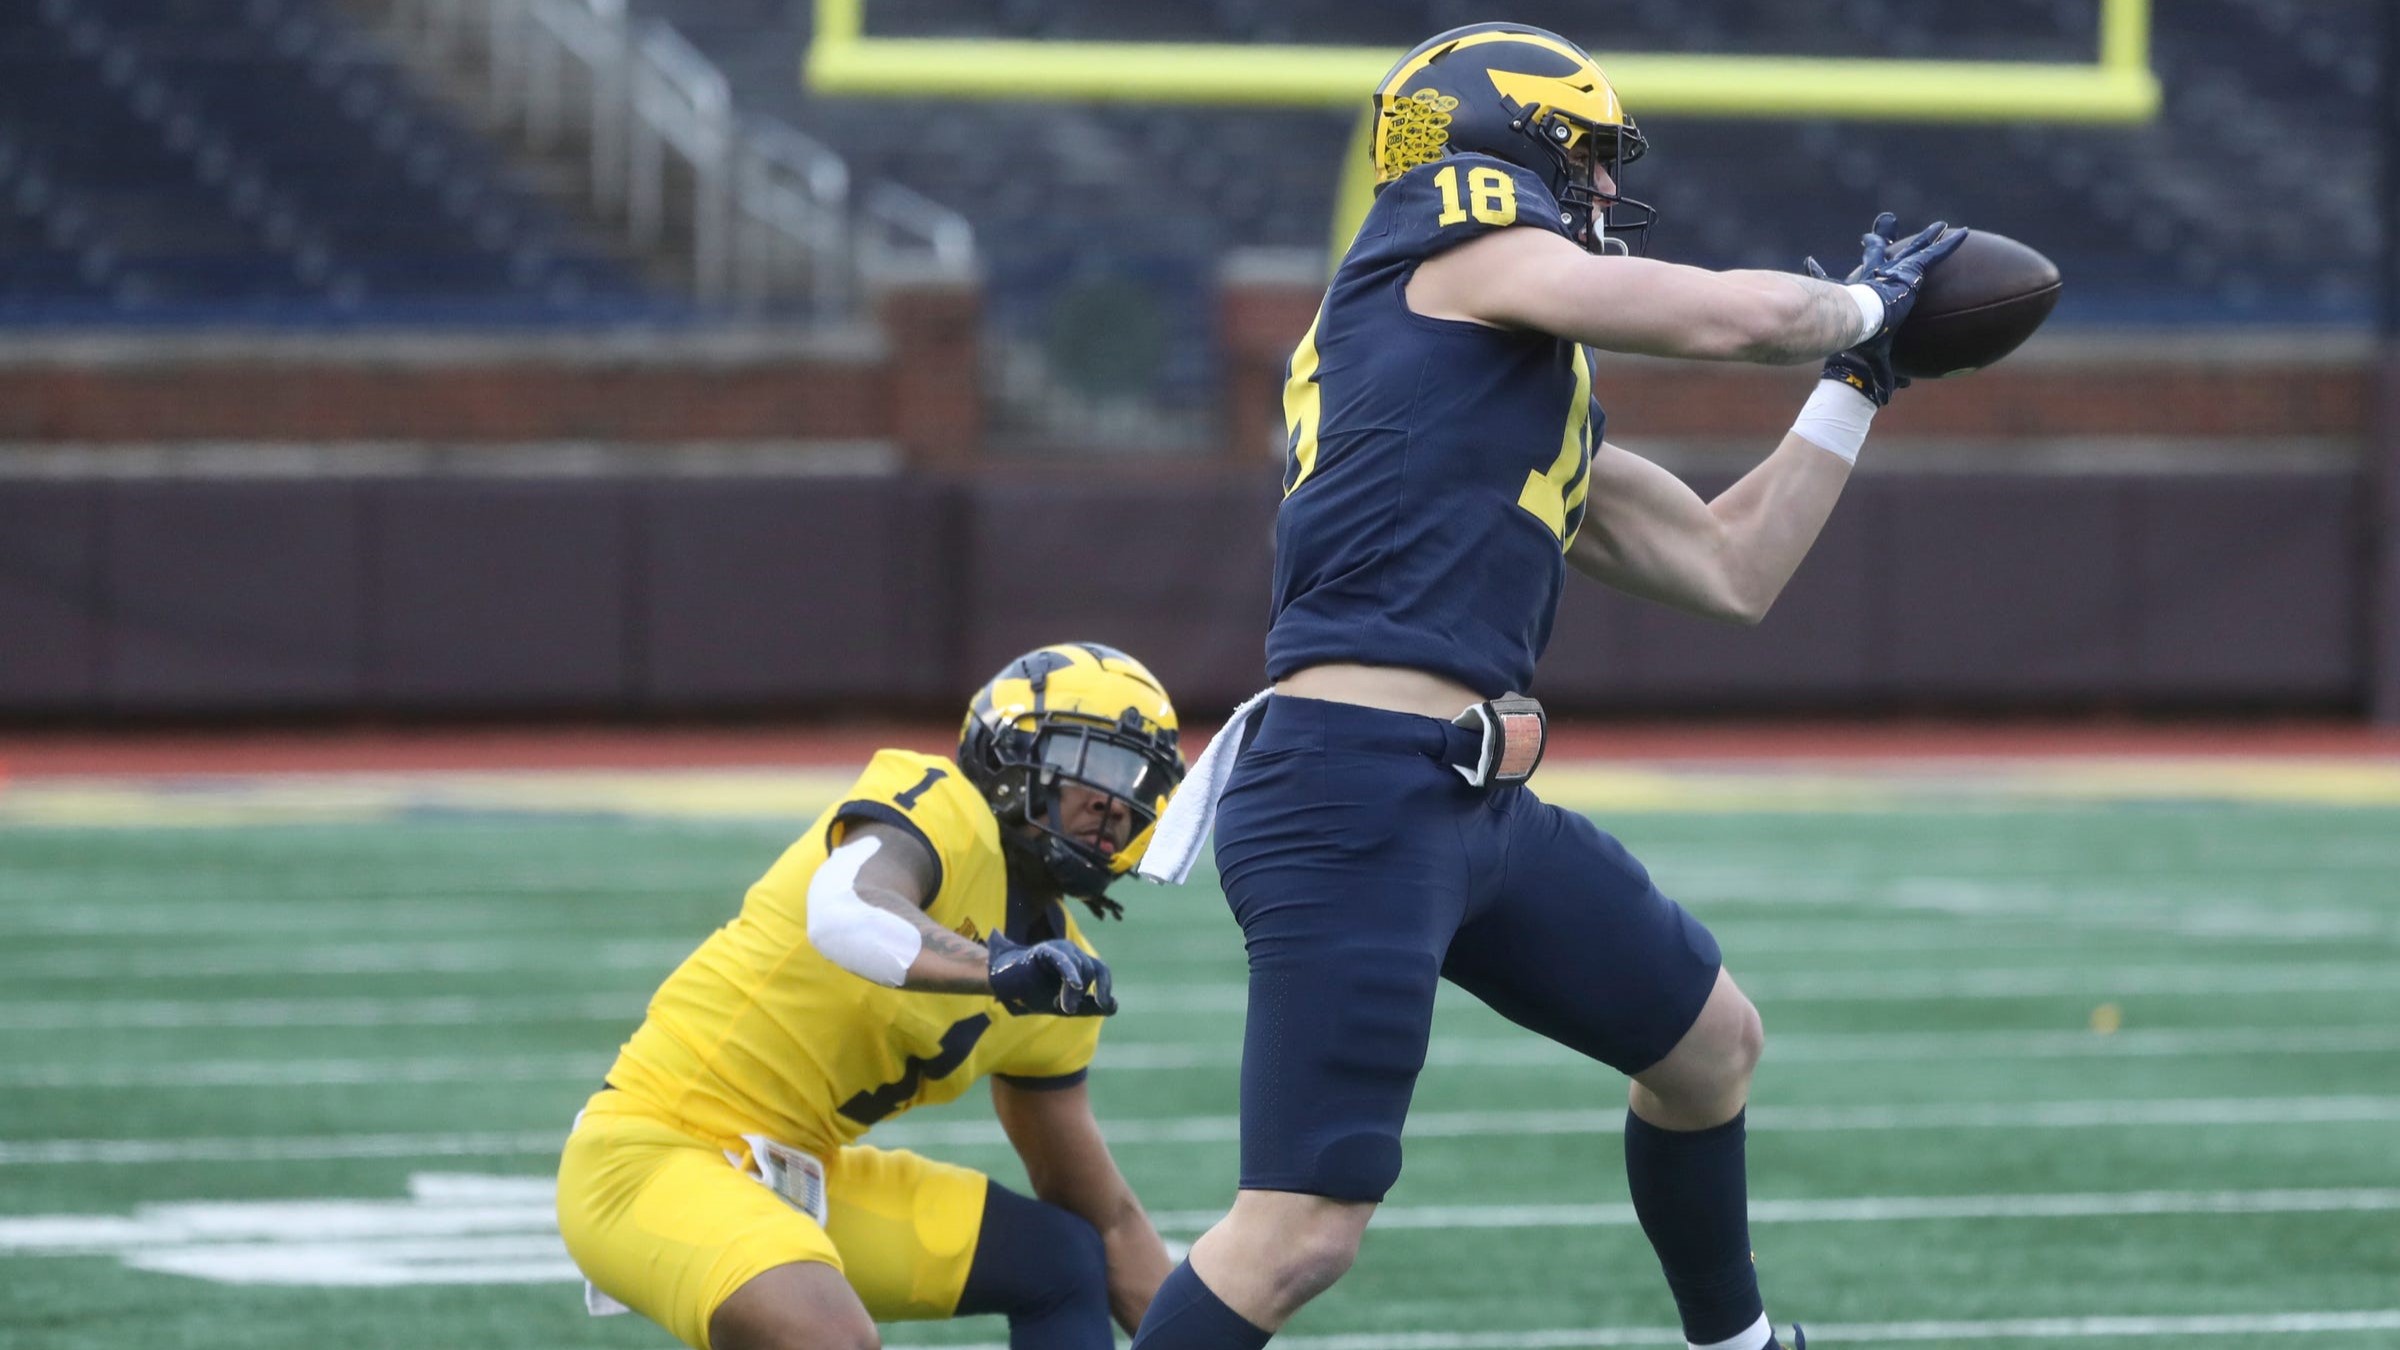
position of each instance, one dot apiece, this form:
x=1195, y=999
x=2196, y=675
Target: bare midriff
x=1391, y=688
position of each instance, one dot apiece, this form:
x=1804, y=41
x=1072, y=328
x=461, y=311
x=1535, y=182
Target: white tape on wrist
x=1870, y=308
x=869, y=942
x=1835, y=419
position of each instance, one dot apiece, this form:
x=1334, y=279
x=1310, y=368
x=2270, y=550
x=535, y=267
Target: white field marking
x=2224, y=981
x=474, y=1229
x=504, y=878
x=460, y=957
x=492, y=955
x=2191, y=915
x=1469, y=1052
x=1422, y=1125
x=2011, y=1329
x=2062, y=1115
x=438, y=1010
x=1530, y=1051
x=308, y=1073
x=467, y=1009
x=73, y=917
x=283, y=1148
x=1889, y=985
x=2182, y=918
x=2228, y=979
x=1873, y=1209
x=2195, y=910
x=1835, y=1333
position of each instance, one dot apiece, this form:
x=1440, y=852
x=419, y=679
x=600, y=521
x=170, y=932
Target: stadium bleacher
x=2273, y=93
x=157, y=161
x=178, y=161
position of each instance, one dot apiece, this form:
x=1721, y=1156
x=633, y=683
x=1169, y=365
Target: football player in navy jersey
x=1446, y=466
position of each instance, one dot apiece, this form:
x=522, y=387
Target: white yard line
x=1526, y=1050
x=114, y=962
x=439, y=1010
x=505, y=1209
x=1875, y=1209
x=309, y=1073
x=472, y=956
x=2060, y=1115
x=2099, y=982
x=2282, y=1112
x=1835, y=1333
x=1522, y=1051
x=282, y=1148
x=1165, y=1058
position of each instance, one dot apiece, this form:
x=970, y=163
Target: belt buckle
x=1513, y=731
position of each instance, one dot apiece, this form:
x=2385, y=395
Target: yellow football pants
x=660, y=1221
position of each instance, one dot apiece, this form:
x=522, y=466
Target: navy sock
x=1691, y=1192
x=1187, y=1315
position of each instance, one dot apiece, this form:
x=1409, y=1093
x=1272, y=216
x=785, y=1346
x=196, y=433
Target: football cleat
x=1525, y=95
x=1077, y=714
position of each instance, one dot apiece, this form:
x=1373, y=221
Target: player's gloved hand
x=1866, y=367
x=1895, y=268
x=1054, y=977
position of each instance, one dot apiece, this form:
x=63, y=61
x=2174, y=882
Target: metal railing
x=681, y=103
x=767, y=213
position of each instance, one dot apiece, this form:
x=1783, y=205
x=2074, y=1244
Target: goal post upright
x=2117, y=86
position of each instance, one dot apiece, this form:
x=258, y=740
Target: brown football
x=1977, y=306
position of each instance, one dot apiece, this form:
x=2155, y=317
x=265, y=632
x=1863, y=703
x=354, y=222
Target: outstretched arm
x=1532, y=279
x=1647, y=533
x=866, y=912
x=1528, y=278
x=1068, y=1163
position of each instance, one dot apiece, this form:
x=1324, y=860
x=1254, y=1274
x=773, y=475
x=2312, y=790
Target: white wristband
x=1835, y=419
x=1870, y=308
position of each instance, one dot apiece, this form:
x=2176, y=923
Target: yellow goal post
x=2116, y=86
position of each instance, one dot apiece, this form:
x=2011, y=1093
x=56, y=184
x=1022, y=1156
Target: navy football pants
x=1363, y=869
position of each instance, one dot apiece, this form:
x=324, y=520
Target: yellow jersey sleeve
x=924, y=796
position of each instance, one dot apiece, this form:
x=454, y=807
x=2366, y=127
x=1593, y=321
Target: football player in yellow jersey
x=912, y=942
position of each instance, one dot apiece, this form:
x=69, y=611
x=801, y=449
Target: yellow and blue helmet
x=1524, y=95
x=1083, y=714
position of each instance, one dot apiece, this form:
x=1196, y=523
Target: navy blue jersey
x=1437, y=468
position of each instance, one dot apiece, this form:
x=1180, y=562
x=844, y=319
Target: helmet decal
x=1580, y=96
x=1523, y=95
x=1416, y=129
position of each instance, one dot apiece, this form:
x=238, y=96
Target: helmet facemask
x=1602, y=222
x=1132, y=779
x=1073, y=747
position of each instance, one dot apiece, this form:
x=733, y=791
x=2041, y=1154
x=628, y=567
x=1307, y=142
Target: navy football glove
x=1055, y=977
x=1866, y=367
x=1895, y=268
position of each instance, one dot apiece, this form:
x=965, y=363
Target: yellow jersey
x=757, y=1032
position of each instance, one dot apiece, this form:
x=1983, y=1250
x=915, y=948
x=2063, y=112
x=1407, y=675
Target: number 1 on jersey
x=1491, y=196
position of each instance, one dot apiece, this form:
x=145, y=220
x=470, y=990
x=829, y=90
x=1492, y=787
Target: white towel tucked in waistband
x=1182, y=832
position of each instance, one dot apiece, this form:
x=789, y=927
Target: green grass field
x=285, y=1066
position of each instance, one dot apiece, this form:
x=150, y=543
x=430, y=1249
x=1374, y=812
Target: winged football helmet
x=1076, y=713
x=1527, y=96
